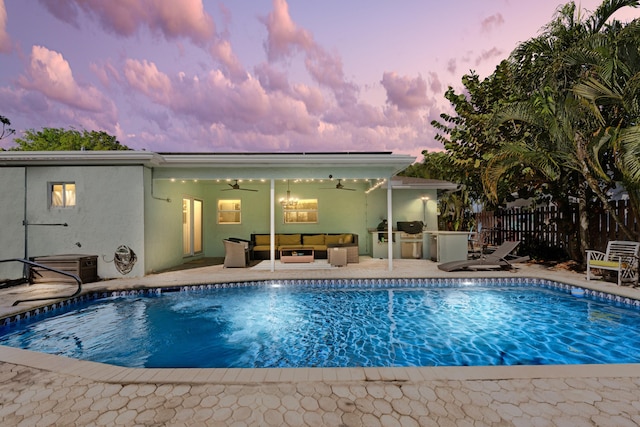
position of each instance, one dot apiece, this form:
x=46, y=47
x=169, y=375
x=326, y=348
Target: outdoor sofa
x=320, y=242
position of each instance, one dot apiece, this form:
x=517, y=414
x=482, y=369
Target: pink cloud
x=240, y=106
x=487, y=55
x=5, y=40
x=405, y=93
x=172, y=19
x=284, y=36
x=50, y=74
x=106, y=73
x=492, y=22
x=452, y=66
x=221, y=49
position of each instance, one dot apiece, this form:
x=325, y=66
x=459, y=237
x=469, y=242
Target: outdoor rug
x=319, y=264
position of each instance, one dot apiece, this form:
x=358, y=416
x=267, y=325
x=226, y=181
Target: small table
x=337, y=256
x=296, y=254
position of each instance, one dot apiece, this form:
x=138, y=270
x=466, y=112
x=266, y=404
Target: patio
x=40, y=389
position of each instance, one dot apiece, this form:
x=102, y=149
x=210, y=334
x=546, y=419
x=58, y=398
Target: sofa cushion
x=263, y=239
x=289, y=239
x=333, y=239
x=316, y=239
x=347, y=238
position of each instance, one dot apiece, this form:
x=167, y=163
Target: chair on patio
x=236, y=254
x=477, y=241
x=500, y=258
x=620, y=256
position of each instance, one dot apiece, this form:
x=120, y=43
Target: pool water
x=270, y=326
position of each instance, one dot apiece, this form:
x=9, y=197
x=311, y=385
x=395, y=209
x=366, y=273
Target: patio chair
x=236, y=254
x=500, y=258
x=620, y=256
x=477, y=241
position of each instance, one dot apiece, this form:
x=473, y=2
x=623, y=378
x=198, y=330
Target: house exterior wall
x=109, y=212
x=163, y=221
x=11, y=217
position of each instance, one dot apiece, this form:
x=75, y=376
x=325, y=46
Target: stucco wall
x=109, y=212
x=163, y=221
x=11, y=216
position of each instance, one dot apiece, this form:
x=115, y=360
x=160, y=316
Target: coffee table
x=296, y=254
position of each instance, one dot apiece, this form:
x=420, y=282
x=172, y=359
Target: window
x=63, y=194
x=229, y=212
x=305, y=212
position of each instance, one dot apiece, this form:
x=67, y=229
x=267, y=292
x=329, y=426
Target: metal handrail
x=35, y=264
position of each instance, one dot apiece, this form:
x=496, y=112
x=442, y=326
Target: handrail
x=35, y=264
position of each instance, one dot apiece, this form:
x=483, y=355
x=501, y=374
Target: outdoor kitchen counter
x=445, y=246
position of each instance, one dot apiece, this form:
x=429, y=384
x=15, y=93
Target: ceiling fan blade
x=247, y=189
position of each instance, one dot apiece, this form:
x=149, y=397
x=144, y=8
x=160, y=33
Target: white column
x=272, y=228
x=389, y=225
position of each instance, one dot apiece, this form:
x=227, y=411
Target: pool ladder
x=35, y=264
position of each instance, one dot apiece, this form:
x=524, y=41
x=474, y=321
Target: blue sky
x=253, y=75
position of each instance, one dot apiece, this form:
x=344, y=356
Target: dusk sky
x=253, y=75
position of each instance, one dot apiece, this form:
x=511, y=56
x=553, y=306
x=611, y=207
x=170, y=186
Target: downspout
x=153, y=196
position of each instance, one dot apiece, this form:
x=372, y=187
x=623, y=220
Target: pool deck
x=39, y=389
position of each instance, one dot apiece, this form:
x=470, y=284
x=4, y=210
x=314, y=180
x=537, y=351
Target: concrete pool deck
x=40, y=389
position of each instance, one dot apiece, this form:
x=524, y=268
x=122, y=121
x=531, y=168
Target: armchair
x=236, y=254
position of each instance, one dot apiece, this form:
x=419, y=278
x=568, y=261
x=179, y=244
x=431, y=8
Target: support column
x=389, y=225
x=272, y=228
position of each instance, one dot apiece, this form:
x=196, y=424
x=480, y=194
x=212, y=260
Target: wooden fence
x=555, y=229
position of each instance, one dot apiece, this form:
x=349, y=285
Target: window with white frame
x=62, y=194
x=305, y=211
x=229, y=211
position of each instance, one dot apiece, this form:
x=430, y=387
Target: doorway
x=191, y=226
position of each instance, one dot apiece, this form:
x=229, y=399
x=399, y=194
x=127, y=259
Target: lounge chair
x=497, y=259
x=236, y=254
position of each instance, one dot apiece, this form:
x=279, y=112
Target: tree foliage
x=59, y=139
x=557, y=119
x=6, y=130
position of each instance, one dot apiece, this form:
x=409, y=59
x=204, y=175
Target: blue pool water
x=271, y=326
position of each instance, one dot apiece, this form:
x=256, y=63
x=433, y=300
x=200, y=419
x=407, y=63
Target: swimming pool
x=339, y=324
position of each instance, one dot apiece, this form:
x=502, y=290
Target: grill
x=410, y=239
x=410, y=227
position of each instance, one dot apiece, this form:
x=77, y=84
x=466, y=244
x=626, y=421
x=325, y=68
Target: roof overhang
x=77, y=158
x=411, y=183
x=226, y=165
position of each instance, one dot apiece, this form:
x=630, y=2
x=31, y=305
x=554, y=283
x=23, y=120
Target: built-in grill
x=410, y=239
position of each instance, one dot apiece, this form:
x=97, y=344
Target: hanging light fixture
x=288, y=202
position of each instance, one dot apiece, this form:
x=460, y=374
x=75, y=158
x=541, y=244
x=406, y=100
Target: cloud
x=492, y=22
x=214, y=98
x=487, y=55
x=171, y=19
x=284, y=37
x=405, y=93
x=50, y=74
x=5, y=40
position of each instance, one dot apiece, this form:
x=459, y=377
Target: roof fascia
x=78, y=158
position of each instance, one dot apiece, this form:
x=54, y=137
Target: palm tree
x=563, y=140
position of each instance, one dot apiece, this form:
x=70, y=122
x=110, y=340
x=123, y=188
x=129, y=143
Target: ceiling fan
x=236, y=186
x=340, y=186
